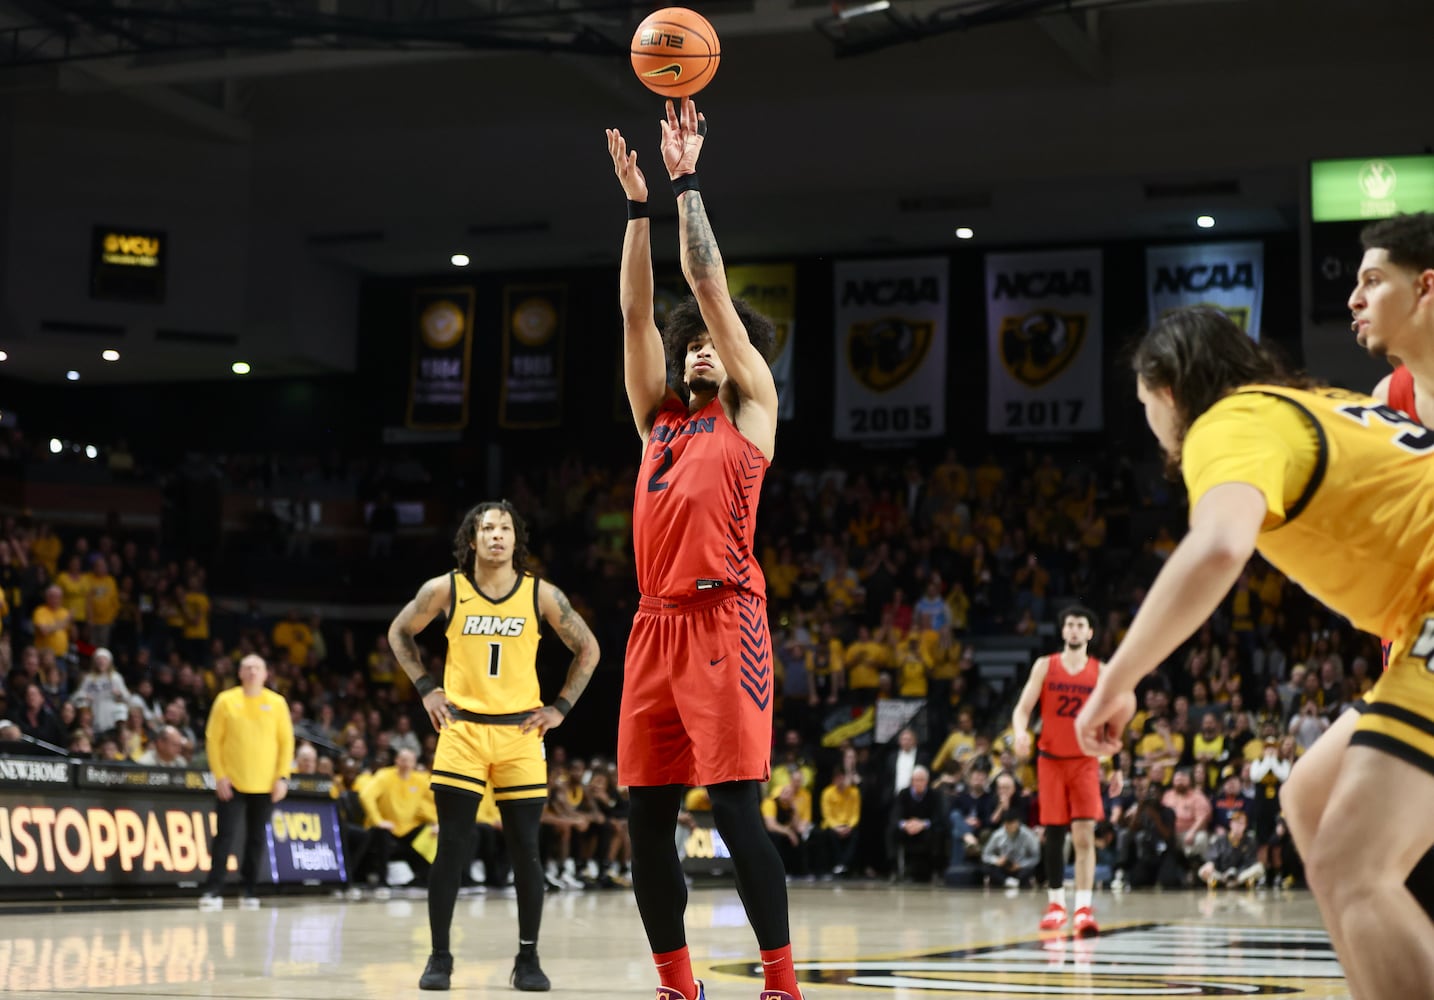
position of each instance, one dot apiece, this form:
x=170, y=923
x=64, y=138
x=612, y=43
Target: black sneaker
x=528, y=975
x=437, y=973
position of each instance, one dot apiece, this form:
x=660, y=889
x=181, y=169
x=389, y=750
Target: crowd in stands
x=883, y=585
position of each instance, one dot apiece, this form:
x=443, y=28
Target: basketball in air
x=675, y=52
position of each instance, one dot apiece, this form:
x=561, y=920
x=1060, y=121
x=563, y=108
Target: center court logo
x=1146, y=960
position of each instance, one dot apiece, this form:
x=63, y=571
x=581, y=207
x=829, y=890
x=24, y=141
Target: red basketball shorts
x=1069, y=789
x=697, y=692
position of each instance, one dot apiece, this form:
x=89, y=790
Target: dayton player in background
x=1068, y=779
x=698, y=688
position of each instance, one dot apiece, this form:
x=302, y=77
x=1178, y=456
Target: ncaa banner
x=771, y=289
x=1228, y=276
x=442, y=347
x=1044, y=335
x=531, y=393
x=891, y=349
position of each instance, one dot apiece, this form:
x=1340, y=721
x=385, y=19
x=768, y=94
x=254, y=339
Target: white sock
x=1082, y=898
x=1057, y=896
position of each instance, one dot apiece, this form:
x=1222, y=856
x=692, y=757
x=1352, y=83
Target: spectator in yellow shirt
x=104, y=602
x=250, y=742
x=194, y=607
x=293, y=636
x=399, y=804
x=864, y=660
x=53, y=623
x=788, y=816
x=45, y=549
x=841, y=814
x=74, y=584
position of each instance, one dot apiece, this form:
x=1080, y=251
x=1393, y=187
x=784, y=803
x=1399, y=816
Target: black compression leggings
x=1054, y=853
x=657, y=880
x=457, y=841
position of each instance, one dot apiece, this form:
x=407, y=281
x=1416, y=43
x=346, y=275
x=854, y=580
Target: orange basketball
x=675, y=52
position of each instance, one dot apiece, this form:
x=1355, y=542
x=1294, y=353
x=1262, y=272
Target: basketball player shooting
x=697, y=694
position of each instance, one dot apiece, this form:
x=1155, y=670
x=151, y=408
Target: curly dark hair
x=1408, y=239
x=1076, y=611
x=463, y=552
x=684, y=322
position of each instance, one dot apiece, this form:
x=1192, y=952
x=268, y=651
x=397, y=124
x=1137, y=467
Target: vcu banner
x=1228, y=276
x=771, y=289
x=442, y=348
x=891, y=349
x=531, y=394
x=1044, y=335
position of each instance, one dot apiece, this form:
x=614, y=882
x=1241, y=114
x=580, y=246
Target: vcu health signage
x=306, y=843
x=128, y=264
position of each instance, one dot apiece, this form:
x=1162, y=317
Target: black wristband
x=563, y=706
x=425, y=686
x=636, y=210
x=687, y=182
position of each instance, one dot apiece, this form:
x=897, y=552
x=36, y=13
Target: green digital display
x=1372, y=188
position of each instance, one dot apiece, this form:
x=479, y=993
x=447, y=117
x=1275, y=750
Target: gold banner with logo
x=771, y=289
x=534, y=322
x=442, y=358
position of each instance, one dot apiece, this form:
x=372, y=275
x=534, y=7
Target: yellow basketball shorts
x=483, y=758
x=1397, y=715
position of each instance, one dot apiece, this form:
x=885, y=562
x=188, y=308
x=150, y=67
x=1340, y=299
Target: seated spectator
x=788, y=817
x=562, y=822
x=1192, y=814
x=918, y=829
x=1012, y=854
x=841, y=818
x=38, y=721
x=1152, y=854
x=1163, y=747
x=306, y=759
x=165, y=750
x=399, y=805
x=1231, y=799
x=104, y=690
x=1234, y=857
x=1309, y=723
x=402, y=737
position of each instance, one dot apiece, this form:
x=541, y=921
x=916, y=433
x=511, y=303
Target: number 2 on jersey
x=1070, y=706
x=655, y=482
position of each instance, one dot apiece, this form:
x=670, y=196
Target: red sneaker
x=778, y=995
x=1055, y=918
x=1085, y=925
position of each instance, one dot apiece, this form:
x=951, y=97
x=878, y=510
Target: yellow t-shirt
x=405, y=802
x=1346, y=482
x=46, y=552
x=57, y=642
x=840, y=807
x=196, y=616
x=1152, y=744
x=250, y=741
x=76, y=591
x=296, y=638
x=104, y=600
x=801, y=805
x=864, y=663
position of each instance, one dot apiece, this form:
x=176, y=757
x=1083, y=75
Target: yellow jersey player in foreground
x=1324, y=484
x=490, y=715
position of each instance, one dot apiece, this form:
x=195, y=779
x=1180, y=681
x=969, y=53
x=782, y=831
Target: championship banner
x=891, y=349
x=771, y=289
x=442, y=348
x=1044, y=338
x=531, y=391
x=1227, y=276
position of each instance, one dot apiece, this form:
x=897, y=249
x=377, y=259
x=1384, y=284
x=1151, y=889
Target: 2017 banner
x=771, y=289
x=1228, y=276
x=891, y=349
x=442, y=349
x=1044, y=336
x=534, y=319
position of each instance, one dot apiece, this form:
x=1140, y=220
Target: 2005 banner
x=891, y=349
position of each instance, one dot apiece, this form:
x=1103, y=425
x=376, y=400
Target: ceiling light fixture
x=459, y=260
x=72, y=375
x=110, y=355
x=965, y=233
x=1205, y=222
x=240, y=368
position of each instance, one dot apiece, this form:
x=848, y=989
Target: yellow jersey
x=1347, y=482
x=492, y=666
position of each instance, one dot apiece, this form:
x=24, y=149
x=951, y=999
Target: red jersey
x=1063, y=695
x=695, y=509
x=1401, y=391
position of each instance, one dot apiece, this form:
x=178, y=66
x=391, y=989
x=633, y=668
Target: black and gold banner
x=534, y=322
x=442, y=348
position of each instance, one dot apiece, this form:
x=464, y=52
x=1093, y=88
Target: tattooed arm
x=433, y=599
x=702, y=266
x=576, y=635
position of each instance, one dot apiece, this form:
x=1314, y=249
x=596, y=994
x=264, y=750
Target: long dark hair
x=463, y=551
x=685, y=323
x=1201, y=355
